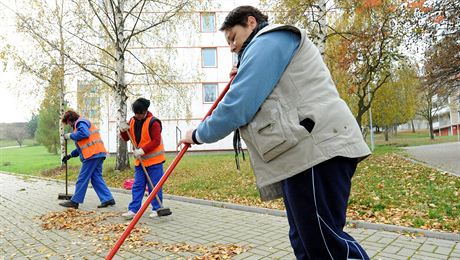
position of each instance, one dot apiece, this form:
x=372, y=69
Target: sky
x=13, y=107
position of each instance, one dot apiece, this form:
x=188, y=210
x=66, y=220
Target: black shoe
x=69, y=204
x=107, y=203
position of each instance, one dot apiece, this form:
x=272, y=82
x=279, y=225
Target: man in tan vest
x=303, y=140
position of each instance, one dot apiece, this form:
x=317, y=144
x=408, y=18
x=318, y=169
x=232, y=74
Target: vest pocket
x=270, y=131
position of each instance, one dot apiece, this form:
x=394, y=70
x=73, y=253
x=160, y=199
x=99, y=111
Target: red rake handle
x=161, y=182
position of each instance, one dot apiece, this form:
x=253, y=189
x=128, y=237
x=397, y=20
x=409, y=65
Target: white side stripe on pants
x=320, y=220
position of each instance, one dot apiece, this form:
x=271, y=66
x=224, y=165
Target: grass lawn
x=386, y=187
x=402, y=139
x=6, y=143
x=31, y=160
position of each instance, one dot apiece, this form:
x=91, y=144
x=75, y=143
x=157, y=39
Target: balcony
x=441, y=111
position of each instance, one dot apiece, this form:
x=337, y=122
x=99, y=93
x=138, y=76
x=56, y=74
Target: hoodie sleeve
x=263, y=63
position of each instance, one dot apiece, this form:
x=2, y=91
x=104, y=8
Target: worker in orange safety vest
x=145, y=130
x=90, y=148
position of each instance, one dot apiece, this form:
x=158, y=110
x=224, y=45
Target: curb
x=354, y=223
x=281, y=213
x=400, y=229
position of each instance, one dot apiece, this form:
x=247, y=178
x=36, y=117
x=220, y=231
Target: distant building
x=446, y=118
x=201, y=50
x=88, y=100
x=419, y=124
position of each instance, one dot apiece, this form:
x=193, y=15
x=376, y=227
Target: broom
x=162, y=211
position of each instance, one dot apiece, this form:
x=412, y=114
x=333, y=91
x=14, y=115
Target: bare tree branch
x=90, y=2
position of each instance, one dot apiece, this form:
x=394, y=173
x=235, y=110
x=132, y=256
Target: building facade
x=446, y=119
x=203, y=58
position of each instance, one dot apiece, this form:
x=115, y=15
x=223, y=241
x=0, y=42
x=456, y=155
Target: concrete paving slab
x=23, y=200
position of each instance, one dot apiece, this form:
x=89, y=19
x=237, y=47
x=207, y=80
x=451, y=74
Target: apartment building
x=203, y=59
x=446, y=119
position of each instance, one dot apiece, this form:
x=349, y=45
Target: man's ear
x=252, y=22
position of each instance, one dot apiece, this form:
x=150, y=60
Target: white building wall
x=188, y=61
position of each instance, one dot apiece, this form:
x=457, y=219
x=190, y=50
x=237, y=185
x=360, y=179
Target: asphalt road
x=444, y=156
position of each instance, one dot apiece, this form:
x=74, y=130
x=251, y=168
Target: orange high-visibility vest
x=155, y=156
x=91, y=145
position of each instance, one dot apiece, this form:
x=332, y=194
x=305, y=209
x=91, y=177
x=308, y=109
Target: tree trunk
x=122, y=160
x=413, y=126
x=430, y=125
x=386, y=133
x=322, y=32
x=359, y=118
x=59, y=14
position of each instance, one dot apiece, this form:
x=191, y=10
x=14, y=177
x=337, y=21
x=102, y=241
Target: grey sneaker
x=128, y=215
x=154, y=214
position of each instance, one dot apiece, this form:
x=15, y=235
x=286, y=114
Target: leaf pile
x=73, y=219
x=215, y=251
x=106, y=235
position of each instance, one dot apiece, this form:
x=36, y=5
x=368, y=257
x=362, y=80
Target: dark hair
x=239, y=16
x=140, y=105
x=70, y=116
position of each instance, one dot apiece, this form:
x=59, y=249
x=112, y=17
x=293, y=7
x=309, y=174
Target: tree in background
x=362, y=41
x=363, y=60
x=110, y=28
x=440, y=80
x=309, y=14
x=32, y=125
x=438, y=26
x=49, y=115
x=17, y=132
x=396, y=102
x=103, y=33
x=41, y=22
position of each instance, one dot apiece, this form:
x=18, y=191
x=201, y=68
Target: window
x=209, y=92
x=208, y=22
x=209, y=57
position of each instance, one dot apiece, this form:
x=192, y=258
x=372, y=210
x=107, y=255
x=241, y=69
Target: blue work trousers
x=316, y=204
x=91, y=169
x=140, y=182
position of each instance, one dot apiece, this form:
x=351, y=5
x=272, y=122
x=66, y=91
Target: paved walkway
x=22, y=200
x=445, y=156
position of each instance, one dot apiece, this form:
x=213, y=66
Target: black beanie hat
x=140, y=105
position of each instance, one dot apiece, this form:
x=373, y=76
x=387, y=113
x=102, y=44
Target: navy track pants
x=316, y=203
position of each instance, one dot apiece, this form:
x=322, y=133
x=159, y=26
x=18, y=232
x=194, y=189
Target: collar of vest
x=277, y=27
